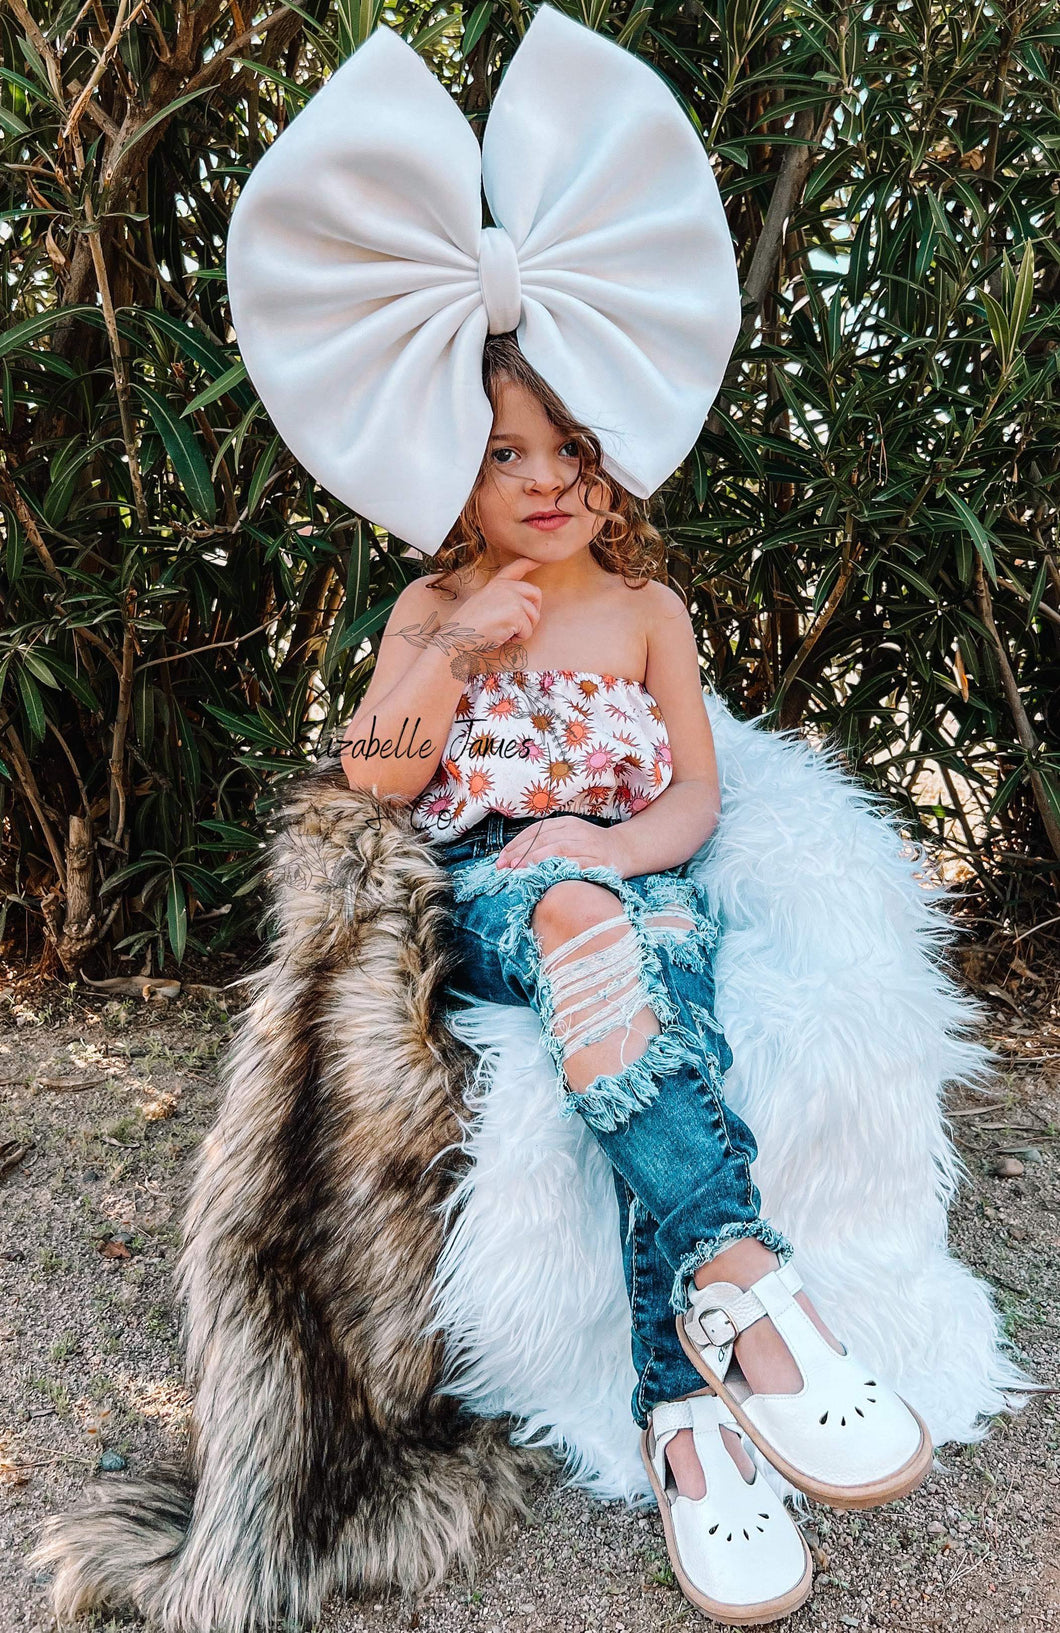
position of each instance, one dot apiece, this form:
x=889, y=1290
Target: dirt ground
x=109, y=1101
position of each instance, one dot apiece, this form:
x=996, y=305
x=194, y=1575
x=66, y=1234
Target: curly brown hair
x=627, y=544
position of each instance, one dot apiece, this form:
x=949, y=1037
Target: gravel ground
x=110, y=1100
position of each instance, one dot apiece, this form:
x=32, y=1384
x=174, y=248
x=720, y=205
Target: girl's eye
x=569, y=450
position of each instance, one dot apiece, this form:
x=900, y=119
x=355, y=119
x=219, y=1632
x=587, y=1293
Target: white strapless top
x=527, y=742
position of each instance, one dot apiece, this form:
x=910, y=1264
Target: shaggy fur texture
x=387, y=1174
x=845, y=1028
x=321, y=1456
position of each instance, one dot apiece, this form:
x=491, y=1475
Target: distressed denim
x=681, y=1157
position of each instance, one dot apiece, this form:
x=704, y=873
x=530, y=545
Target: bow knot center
x=499, y=280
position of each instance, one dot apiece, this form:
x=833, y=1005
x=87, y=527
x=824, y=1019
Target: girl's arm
x=411, y=700
x=394, y=743
x=678, y=821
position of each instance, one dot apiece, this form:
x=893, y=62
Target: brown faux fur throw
x=321, y=1456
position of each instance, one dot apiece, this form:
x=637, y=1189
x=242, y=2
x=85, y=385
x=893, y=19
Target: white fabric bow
x=363, y=283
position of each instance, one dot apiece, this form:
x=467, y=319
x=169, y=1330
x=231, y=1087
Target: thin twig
x=33, y=795
x=1024, y=595
x=823, y=619
x=11, y=493
x=1034, y=930
x=175, y=657
x=121, y=26
x=121, y=726
x=1024, y=729
x=204, y=76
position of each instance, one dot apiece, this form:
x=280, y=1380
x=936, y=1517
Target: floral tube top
x=529, y=742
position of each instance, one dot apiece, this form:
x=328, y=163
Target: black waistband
x=493, y=831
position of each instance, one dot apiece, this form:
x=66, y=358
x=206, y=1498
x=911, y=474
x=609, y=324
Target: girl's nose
x=549, y=474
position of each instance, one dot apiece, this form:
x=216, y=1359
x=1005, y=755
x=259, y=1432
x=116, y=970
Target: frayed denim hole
x=527, y=886
x=673, y=928
x=609, y=1101
x=691, y=947
x=706, y=1250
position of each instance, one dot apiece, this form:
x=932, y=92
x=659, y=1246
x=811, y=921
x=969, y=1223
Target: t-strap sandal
x=736, y=1553
x=844, y=1438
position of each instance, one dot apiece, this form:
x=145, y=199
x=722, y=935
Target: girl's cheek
x=593, y=496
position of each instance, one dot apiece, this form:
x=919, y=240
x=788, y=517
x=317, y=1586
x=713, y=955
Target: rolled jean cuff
x=704, y=1251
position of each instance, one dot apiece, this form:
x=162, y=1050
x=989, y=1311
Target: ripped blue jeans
x=681, y=1158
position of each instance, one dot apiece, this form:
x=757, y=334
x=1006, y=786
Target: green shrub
x=865, y=532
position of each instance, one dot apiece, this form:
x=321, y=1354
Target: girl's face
x=532, y=501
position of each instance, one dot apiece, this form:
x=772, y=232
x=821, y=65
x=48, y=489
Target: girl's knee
x=592, y=968
x=570, y=906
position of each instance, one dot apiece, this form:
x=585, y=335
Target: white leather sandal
x=844, y=1438
x=735, y=1552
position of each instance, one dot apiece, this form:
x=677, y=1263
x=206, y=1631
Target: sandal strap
x=721, y=1311
x=698, y=1414
x=668, y=1417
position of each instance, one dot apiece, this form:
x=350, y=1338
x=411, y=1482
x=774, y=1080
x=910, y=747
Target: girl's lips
x=547, y=524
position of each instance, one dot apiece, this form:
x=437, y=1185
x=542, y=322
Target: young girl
x=565, y=771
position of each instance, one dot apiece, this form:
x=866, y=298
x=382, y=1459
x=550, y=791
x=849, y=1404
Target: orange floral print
x=576, y=733
x=543, y=741
x=539, y=799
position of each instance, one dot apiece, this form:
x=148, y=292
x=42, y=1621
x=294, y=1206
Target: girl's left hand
x=583, y=842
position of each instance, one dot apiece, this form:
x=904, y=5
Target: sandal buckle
x=716, y=1327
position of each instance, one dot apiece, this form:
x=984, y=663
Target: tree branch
x=1024, y=730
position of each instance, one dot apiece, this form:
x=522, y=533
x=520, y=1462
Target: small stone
x=91, y=1177
x=1006, y=1167
x=850, y=1621
x=1032, y=1154
x=111, y=1462
x=936, y=1529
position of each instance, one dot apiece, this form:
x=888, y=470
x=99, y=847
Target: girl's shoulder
x=651, y=603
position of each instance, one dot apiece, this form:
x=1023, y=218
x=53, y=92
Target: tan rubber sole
x=899, y=1484
x=770, y=1610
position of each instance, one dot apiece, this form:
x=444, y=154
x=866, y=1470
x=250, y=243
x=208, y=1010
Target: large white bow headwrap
x=363, y=283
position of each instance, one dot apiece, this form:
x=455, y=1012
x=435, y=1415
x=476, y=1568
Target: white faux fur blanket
x=845, y=1030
